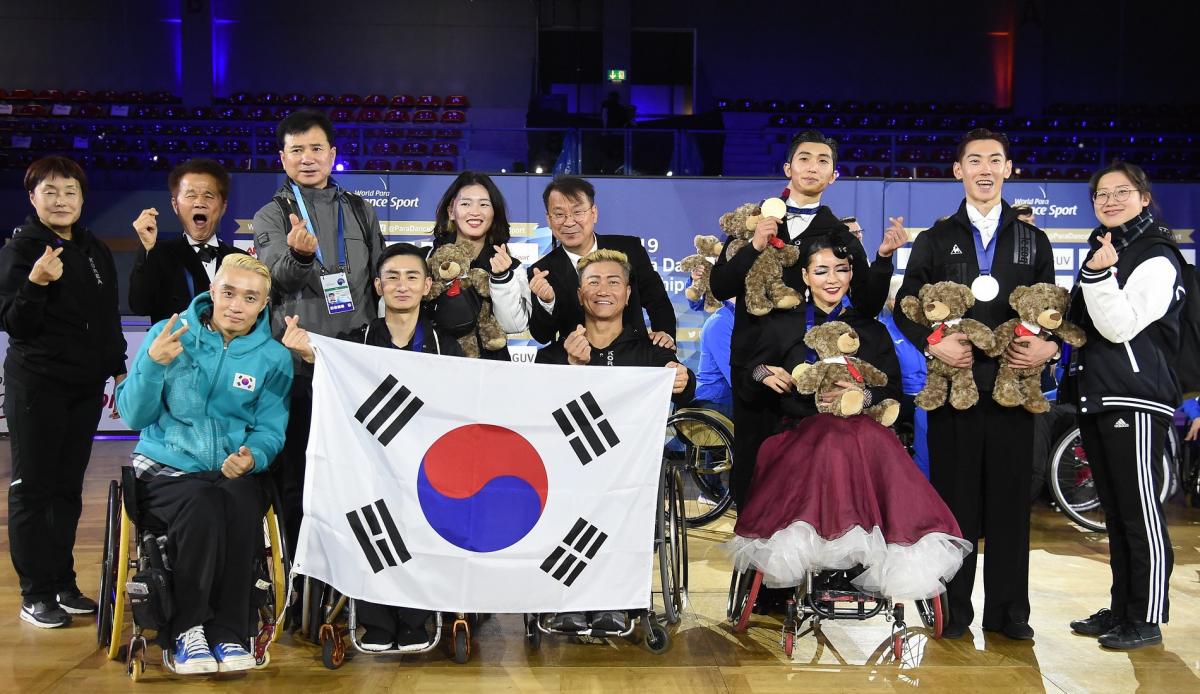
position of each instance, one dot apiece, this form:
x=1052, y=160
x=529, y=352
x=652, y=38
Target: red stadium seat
x=295, y=99
x=444, y=149
x=428, y=101
x=375, y=100
x=341, y=115
x=396, y=115
x=409, y=165
x=377, y=165
x=457, y=101
x=439, y=165
x=269, y=98
x=32, y=110
x=22, y=94
x=384, y=149
x=370, y=115
x=424, y=116
x=415, y=148
x=454, y=116
x=349, y=99
x=403, y=101
x=322, y=100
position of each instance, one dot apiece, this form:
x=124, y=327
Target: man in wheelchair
x=604, y=340
x=210, y=398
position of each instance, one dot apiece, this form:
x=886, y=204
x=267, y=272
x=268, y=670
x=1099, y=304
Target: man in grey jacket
x=320, y=243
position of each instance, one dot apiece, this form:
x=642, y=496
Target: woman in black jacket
x=58, y=304
x=1129, y=299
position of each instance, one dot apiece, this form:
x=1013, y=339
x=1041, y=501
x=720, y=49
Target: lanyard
x=810, y=320
x=417, y=343
x=341, y=227
x=984, y=254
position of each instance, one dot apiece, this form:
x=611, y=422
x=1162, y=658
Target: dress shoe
x=1130, y=635
x=1100, y=623
x=955, y=631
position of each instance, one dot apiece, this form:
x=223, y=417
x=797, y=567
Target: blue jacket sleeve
x=140, y=395
x=265, y=436
x=715, y=338
x=1191, y=407
x=696, y=305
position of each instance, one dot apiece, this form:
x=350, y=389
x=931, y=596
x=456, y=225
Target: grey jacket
x=296, y=281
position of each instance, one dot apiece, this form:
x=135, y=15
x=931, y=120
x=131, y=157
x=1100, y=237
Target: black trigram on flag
x=377, y=535
x=578, y=425
x=569, y=559
x=390, y=405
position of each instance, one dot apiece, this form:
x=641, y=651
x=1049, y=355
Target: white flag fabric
x=455, y=484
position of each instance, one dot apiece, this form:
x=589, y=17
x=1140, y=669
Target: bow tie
x=807, y=211
x=206, y=253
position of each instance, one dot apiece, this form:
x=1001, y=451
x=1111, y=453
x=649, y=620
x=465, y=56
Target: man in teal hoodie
x=211, y=400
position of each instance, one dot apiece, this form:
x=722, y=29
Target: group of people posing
x=221, y=388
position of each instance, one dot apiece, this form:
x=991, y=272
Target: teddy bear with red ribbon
x=1040, y=309
x=836, y=343
x=454, y=278
x=765, y=289
x=943, y=307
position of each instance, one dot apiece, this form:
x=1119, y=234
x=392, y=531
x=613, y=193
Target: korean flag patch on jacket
x=244, y=382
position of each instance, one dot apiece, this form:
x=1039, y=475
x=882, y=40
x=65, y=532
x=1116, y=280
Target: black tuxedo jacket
x=158, y=283
x=646, y=292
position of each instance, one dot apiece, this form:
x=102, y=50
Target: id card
x=336, y=288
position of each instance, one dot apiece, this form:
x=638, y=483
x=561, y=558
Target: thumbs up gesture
x=47, y=268
x=1105, y=256
x=238, y=464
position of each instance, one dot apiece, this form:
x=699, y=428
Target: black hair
x=1133, y=172
x=402, y=249
x=573, y=187
x=52, y=166
x=811, y=136
x=208, y=167
x=828, y=241
x=301, y=122
x=444, y=230
x=981, y=134
x=1022, y=210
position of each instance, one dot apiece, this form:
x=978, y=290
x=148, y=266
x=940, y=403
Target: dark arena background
x=708, y=95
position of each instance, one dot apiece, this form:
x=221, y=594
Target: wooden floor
x=1069, y=580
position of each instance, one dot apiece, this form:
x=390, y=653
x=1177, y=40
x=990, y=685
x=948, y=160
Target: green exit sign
x=616, y=75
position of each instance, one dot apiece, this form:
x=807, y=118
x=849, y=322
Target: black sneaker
x=569, y=621
x=1100, y=623
x=46, y=615
x=1130, y=635
x=377, y=640
x=75, y=602
x=609, y=621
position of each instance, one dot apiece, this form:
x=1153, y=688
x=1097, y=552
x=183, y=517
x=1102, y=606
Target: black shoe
x=955, y=631
x=1100, y=623
x=609, y=621
x=46, y=615
x=75, y=602
x=407, y=636
x=1130, y=635
x=376, y=640
x=1018, y=631
x=569, y=621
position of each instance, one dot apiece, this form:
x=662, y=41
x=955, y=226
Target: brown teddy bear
x=836, y=343
x=942, y=306
x=1040, y=310
x=765, y=289
x=706, y=247
x=450, y=267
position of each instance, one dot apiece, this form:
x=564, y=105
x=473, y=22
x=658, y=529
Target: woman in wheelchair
x=837, y=493
x=604, y=340
x=210, y=398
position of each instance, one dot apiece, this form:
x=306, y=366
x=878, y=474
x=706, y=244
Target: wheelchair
x=699, y=448
x=136, y=573
x=323, y=609
x=828, y=595
x=670, y=545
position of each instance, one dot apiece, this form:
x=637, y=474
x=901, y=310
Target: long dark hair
x=444, y=230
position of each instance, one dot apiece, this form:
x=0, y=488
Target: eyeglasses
x=1101, y=197
x=577, y=215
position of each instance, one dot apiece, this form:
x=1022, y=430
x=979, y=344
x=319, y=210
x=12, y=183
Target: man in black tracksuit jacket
x=811, y=168
x=979, y=458
x=1129, y=299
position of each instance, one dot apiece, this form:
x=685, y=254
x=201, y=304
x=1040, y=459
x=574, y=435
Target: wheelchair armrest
x=129, y=492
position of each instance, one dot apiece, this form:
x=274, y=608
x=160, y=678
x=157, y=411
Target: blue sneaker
x=192, y=656
x=232, y=657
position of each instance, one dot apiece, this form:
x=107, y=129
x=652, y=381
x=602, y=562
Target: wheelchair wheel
x=671, y=536
x=533, y=635
x=743, y=592
x=700, y=443
x=1074, y=488
x=333, y=648
x=462, y=642
x=108, y=566
x=933, y=614
x=657, y=638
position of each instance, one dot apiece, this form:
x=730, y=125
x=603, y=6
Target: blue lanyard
x=810, y=321
x=187, y=275
x=984, y=254
x=417, y=343
x=341, y=227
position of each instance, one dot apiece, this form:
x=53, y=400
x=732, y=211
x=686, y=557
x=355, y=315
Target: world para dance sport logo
x=481, y=487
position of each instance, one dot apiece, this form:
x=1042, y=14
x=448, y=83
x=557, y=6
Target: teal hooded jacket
x=212, y=399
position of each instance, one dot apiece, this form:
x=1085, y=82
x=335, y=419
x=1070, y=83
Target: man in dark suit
x=169, y=273
x=554, y=280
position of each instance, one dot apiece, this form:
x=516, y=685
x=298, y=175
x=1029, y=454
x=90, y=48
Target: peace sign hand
x=1105, y=256
x=166, y=345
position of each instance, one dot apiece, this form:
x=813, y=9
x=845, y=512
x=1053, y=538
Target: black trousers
x=50, y=429
x=1125, y=451
x=752, y=424
x=388, y=619
x=979, y=462
x=214, y=528
x=288, y=467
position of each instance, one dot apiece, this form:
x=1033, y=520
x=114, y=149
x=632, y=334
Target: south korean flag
x=457, y=484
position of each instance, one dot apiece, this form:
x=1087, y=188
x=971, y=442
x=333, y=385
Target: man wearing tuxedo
x=571, y=212
x=169, y=273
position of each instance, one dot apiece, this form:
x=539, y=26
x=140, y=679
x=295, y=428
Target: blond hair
x=241, y=261
x=606, y=255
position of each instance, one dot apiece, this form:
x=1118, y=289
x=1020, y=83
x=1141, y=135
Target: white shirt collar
x=986, y=224
x=211, y=242
x=575, y=258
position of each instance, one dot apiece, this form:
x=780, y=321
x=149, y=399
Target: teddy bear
x=1040, y=311
x=942, y=306
x=765, y=289
x=706, y=247
x=836, y=343
x=451, y=271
